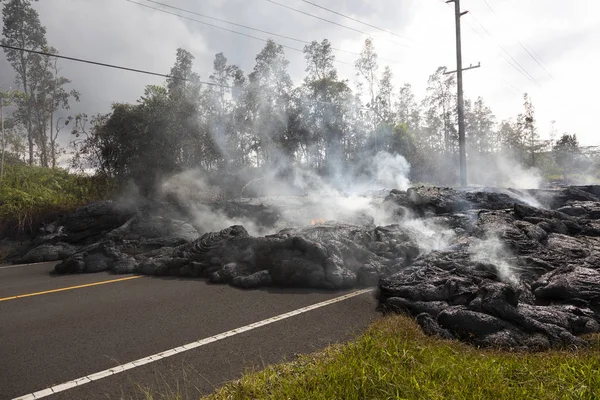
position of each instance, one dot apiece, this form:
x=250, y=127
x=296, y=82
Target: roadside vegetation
x=393, y=359
x=30, y=195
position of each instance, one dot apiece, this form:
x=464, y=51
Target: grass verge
x=393, y=359
x=30, y=195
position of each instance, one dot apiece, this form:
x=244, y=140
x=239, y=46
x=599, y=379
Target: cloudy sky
x=497, y=33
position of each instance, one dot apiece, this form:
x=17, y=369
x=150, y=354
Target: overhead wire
x=507, y=60
x=101, y=64
x=332, y=22
x=509, y=85
x=222, y=28
x=355, y=20
x=320, y=18
x=225, y=21
x=422, y=44
x=209, y=24
x=522, y=69
x=534, y=56
x=511, y=63
x=136, y=70
x=531, y=52
x=252, y=28
x=43, y=53
x=489, y=6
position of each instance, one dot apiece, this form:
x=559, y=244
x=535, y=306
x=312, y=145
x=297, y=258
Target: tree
x=136, y=142
x=566, y=152
x=270, y=71
x=407, y=109
x=441, y=114
x=323, y=104
x=479, y=124
x=221, y=76
x=267, y=123
x=48, y=96
x=7, y=99
x=367, y=66
x=43, y=88
x=384, y=107
x=319, y=61
x=184, y=94
x=23, y=29
x=88, y=149
x=510, y=137
x=526, y=122
x=58, y=99
x=269, y=97
x=223, y=138
x=182, y=80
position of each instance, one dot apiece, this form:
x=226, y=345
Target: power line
x=227, y=22
x=508, y=61
x=141, y=71
x=355, y=20
x=531, y=53
x=513, y=87
x=536, y=59
x=317, y=17
x=329, y=21
x=43, y=53
x=514, y=63
x=531, y=78
x=226, y=29
x=254, y=29
x=489, y=6
x=209, y=24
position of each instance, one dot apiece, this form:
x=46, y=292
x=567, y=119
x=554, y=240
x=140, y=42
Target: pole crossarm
x=464, y=69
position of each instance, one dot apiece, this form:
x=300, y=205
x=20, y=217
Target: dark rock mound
x=492, y=267
x=524, y=276
x=327, y=256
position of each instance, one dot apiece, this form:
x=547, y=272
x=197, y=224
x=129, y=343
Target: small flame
x=317, y=221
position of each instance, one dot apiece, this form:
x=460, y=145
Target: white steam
x=492, y=251
x=191, y=192
x=319, y=199
x=389, y=171
x=502, y=170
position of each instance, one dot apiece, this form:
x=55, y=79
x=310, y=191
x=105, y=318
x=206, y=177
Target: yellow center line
x=70, y=288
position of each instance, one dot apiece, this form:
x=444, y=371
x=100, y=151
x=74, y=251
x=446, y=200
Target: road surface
x=70, y=327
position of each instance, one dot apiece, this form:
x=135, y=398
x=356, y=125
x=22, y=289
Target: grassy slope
x=395, y=360
x=29, y=193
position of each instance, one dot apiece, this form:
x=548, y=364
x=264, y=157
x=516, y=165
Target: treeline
x=263, y=121
x=32, y=130
x=260, y=121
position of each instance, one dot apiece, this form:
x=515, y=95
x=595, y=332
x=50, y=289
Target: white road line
x=178, y=350
x=25, y=265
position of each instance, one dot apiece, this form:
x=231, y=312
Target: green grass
x=393, y=359
x=29, y=194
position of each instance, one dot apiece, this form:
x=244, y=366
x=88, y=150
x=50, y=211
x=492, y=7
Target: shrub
x=30, y=195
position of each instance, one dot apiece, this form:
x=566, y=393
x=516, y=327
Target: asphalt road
x=58, y=336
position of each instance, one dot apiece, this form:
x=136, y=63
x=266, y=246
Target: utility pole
x=461, y=103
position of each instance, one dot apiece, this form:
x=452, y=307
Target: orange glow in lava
x=317, y=222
